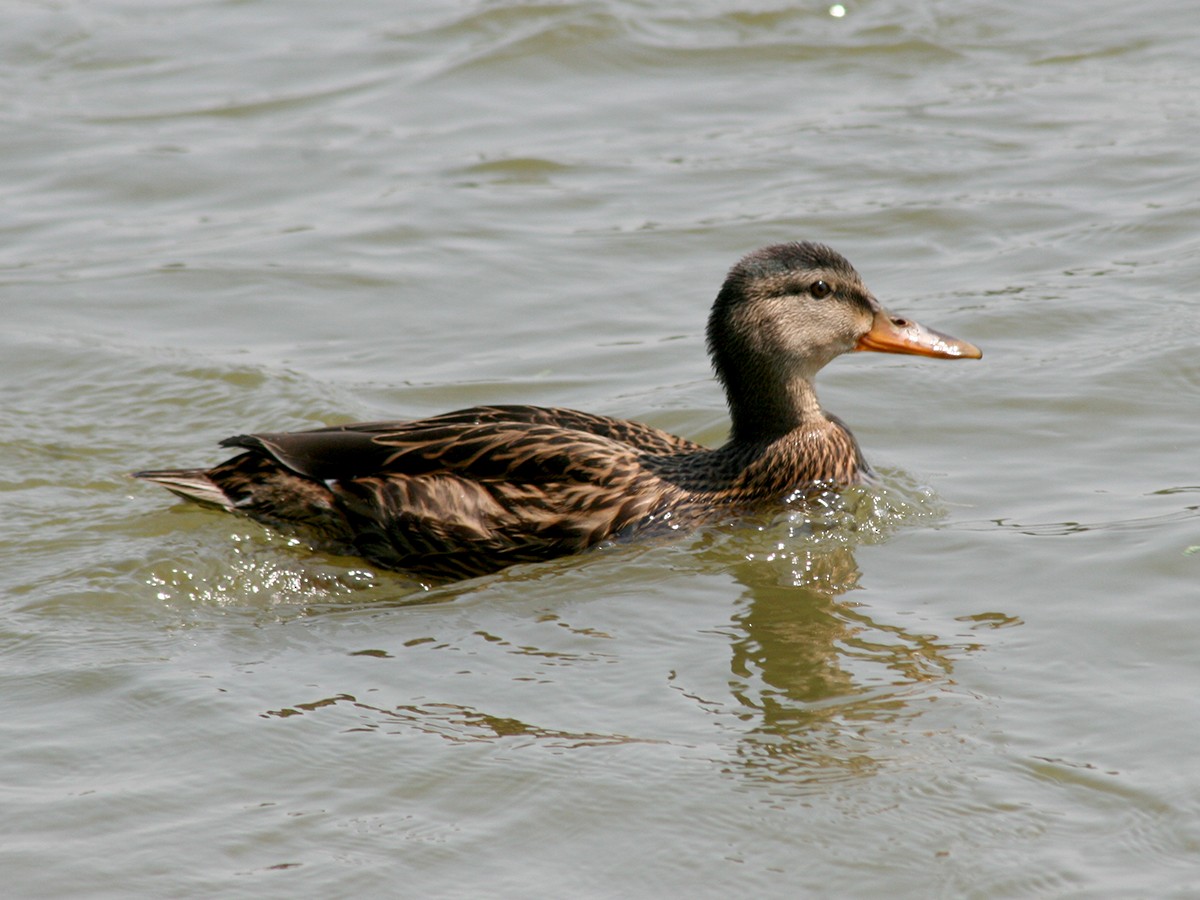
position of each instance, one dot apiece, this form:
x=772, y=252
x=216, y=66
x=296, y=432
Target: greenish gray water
x=221, y=217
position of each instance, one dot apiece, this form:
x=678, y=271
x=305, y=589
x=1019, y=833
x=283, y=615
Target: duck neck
x=763, y=415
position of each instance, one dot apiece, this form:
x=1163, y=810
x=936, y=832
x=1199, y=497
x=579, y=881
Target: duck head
x=782, y=314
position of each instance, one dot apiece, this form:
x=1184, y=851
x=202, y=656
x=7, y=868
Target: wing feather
x=468, y=491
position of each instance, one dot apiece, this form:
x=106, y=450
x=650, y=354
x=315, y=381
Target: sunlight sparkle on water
x=837, y=10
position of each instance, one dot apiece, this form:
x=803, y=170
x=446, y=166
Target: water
x=977, y=680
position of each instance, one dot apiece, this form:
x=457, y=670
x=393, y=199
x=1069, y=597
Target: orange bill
x=894, y=334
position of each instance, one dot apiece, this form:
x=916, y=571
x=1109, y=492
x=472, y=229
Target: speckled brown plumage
x=473, y=491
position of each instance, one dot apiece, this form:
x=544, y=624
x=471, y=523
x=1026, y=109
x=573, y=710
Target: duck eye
x=820, y=290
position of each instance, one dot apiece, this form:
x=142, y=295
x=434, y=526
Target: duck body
x=473, y=491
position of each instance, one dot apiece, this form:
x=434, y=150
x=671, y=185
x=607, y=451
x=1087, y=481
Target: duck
x=471, y=492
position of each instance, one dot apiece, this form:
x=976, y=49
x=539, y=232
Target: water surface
x=977, y=681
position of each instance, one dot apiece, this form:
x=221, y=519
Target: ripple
x=453, y=722
x=1065, y=529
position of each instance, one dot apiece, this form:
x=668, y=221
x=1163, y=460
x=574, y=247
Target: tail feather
x=191, y=484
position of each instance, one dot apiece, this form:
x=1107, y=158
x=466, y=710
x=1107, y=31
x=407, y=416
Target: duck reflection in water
x=817, y=687
x=814, y=675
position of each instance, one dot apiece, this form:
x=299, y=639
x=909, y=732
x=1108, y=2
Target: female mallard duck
x=473, y=491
